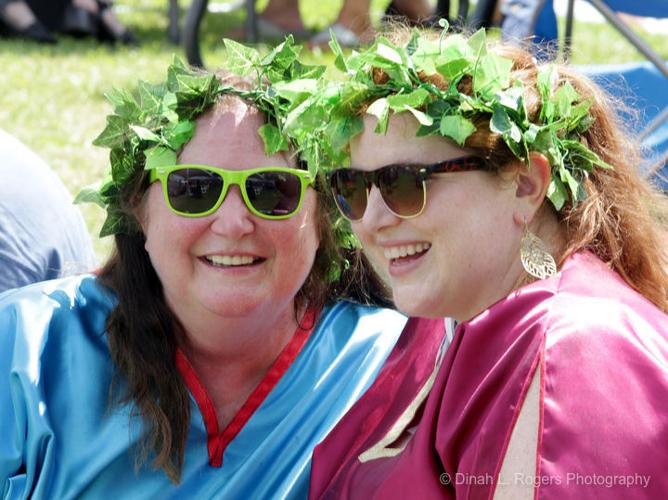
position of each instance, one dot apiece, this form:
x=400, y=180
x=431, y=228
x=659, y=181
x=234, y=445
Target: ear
x=532, y=183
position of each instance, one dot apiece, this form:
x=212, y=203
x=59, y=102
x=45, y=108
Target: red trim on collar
x=218, y=441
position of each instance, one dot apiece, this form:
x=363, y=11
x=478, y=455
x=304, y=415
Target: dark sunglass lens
x=274, y=193
x=402, y=190
x=193, y=191
x=349, y=189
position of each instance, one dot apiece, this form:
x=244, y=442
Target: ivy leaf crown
x=423, y=77
x=149, y=128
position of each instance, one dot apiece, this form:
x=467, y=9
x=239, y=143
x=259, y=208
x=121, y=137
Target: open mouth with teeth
x=405, y=253
x=232, y=260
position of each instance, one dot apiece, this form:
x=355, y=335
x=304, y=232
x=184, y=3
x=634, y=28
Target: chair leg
x=251, y=22
x=191, y=32
x=483, y=14
x=173, y=31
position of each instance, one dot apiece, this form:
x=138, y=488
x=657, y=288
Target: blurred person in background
x=37, y=20
x=352, y=26
x=42, y=234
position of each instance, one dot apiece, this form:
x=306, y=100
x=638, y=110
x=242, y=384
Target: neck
x=552, y=234
x=232, y=355
x=249, y=342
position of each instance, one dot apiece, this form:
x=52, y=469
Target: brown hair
x=142, y=330
x=623, y=219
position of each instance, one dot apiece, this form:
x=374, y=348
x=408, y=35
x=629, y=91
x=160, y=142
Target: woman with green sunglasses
x=219, y=343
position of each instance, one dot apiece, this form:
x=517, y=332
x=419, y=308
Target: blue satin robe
x=59, y=438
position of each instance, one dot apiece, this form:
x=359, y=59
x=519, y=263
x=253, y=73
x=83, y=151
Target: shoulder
x=360, y=327
x=595, y=307
x=31, y=315
x=361, y=317
x=72, y=293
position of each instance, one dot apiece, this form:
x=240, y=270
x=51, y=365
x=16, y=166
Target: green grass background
x=51, y=98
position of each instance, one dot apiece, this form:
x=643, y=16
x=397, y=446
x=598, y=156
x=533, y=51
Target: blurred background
x=52, y=96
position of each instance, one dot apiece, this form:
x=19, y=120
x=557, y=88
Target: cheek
x=373, y=252
x=169, y=238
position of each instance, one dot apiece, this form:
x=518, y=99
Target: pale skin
x=236, y=319
x=472, y=260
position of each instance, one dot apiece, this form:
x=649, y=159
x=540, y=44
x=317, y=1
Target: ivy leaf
x=309, y=115
x=90, y=194
x=150, y=97
x=388, y=51
x=145, y=134
x=547, y=78
x=273, y=140
x=492, y=73
x=342, y=129
x=159, y=156
x=176, y=69
x=305, y=71
x=579, y=153
x=531, y=133
x=456, y=56
x=556, y=192
x=413, y=43
x=296, y=91
x=283, y=55
x=435, y=109
x=115, y=223
x=380, y=108
x=179, y=133
x=415, y=99
x=421, y=117
x=478, y=43
x=168, y=109
x=124, y=104
x=352, y=95
x=511, y=98
x=425, y=55
x=114, y=134
x=570, y=181
x=457, y=128
x=502, y=124
x=122, y=166
x=340, y=60
x=563, y=98
x=240, y=58
x=195, y=95
x=579, y=119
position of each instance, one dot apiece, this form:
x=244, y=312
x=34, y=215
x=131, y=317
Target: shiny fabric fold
x=60, y=439
x=602, y=352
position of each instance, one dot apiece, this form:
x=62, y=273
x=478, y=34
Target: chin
x=232, y=307
x=416, y=304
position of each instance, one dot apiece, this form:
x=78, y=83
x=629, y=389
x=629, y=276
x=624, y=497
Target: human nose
x=233, y=219
x=377, y=216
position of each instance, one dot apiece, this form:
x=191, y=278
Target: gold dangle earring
x=536, y=260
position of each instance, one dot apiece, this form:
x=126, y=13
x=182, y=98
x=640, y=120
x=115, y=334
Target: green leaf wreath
x=423, y=77
x=319, y=116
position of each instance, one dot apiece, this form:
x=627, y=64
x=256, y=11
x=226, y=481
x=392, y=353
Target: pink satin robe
x=602, y=352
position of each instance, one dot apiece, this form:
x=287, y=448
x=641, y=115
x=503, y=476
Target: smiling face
x=230, y=263
x=462, y=253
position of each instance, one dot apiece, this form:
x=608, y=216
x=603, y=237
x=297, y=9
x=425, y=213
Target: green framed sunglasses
x=199, y=190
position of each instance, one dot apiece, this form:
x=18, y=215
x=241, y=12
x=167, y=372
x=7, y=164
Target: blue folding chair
x=645, y=90
x=643, y=85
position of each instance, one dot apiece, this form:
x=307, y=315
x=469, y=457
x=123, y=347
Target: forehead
x=370, y=150
x=227, y=137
